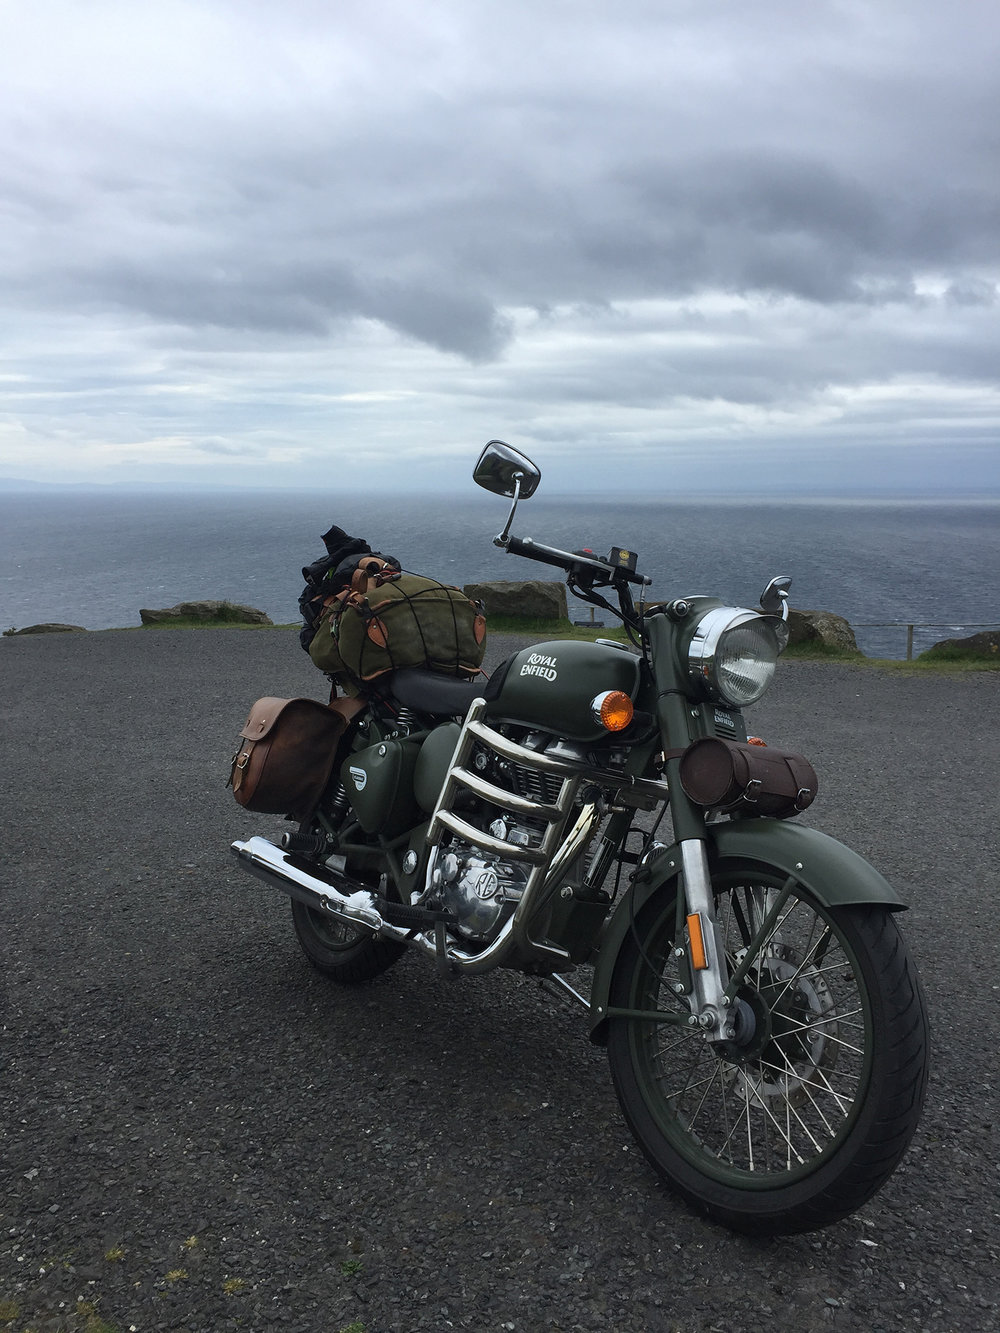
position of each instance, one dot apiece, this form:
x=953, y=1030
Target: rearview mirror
x=504, y=471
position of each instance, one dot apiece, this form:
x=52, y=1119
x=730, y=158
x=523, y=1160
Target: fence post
x=909, y=643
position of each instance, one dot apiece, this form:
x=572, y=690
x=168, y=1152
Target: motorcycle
x=764, y=1024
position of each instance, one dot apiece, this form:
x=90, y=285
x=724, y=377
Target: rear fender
x=832, y=873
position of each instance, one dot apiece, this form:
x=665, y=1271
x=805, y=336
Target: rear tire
x=341, y=952
x=806, y=1120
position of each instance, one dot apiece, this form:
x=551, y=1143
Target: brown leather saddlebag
x=287, y=755
x=747, y=779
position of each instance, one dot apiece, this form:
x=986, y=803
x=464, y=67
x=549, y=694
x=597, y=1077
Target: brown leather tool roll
x=747, y=779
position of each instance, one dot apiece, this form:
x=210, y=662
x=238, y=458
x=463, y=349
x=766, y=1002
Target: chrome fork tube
x=711, y=1008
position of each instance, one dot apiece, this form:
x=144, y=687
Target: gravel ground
x=199, y=1133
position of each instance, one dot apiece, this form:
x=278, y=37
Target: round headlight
x=733, y=654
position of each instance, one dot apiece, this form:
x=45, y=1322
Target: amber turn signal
x=613, y=710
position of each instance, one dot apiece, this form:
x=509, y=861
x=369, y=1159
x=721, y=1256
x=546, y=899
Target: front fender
x=834, y=874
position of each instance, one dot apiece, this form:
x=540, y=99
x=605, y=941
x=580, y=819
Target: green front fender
x=831, y=872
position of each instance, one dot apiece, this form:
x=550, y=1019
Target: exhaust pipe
x=315, y=885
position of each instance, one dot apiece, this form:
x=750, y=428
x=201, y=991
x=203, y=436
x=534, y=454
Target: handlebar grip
x=568, y=560
x=546, y=555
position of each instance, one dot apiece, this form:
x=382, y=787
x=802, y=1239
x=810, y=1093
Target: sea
x=94, y=558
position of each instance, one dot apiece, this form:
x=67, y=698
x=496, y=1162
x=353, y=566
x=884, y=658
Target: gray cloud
x=807, y=203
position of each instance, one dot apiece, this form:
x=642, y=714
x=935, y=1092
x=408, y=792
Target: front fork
x=702, y=960
x=706, y=973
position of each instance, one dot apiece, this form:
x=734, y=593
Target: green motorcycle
x=764, y=1023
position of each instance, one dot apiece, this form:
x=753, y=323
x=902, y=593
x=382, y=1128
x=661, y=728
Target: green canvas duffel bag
x=396, y=620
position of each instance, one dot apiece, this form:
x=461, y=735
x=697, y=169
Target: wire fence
x=923, y=640
x=877, y=638
x=890, y=639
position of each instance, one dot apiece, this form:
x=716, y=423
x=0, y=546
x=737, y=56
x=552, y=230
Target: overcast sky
x=655, y=243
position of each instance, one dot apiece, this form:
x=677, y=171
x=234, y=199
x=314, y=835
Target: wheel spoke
x=708, y=1088
x=732, y=1130
x=833, y=1040
x=808, y=1085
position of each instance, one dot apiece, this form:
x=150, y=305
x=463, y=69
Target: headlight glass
x=733, y=654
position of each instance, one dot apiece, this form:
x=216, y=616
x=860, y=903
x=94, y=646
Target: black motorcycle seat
x=434, y=692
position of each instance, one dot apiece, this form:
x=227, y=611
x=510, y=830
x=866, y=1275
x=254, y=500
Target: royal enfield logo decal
x=539, y=665
x=486, y=884
x=360, y=777
x=724, y=720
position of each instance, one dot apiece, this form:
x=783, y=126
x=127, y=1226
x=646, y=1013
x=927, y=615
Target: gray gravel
x=199, y=1133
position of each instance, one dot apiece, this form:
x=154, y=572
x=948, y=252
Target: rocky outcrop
x=986, y=644
x=48, y=627
x=823, y=629
x=228, y=612
x=536, y=598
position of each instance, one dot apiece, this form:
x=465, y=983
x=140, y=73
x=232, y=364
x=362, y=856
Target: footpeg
x=419, y=918
x=307, y=844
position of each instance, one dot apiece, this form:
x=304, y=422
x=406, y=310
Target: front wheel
x=804, y=1117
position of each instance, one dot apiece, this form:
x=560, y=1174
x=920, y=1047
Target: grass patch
x=815, y=651
x=952, y=654
x=200, y=624
x=553, y=629
x=915, y=666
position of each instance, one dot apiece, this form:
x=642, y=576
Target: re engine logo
x=540, y=665
x=360, y=777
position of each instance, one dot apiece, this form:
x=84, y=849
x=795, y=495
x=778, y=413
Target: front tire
x=804, y=1119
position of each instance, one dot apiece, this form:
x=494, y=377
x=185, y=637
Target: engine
x=481, y=893
x=479, y=887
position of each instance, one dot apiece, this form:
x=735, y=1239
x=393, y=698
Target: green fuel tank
x=550, y=686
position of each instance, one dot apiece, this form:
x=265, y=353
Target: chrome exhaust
x=315, y=885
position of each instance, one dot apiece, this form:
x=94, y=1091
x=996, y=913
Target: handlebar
x=551, y=555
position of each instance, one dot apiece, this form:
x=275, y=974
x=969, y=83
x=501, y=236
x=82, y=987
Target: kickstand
x=444, y=968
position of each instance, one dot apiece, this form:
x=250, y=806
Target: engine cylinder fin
x=507, y=799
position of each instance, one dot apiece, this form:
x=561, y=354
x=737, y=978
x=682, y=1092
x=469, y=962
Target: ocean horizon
x=94, y=557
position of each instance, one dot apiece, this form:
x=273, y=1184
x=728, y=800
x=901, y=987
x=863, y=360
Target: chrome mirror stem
x=501, y=538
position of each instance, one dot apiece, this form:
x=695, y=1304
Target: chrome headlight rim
x=703, y=654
